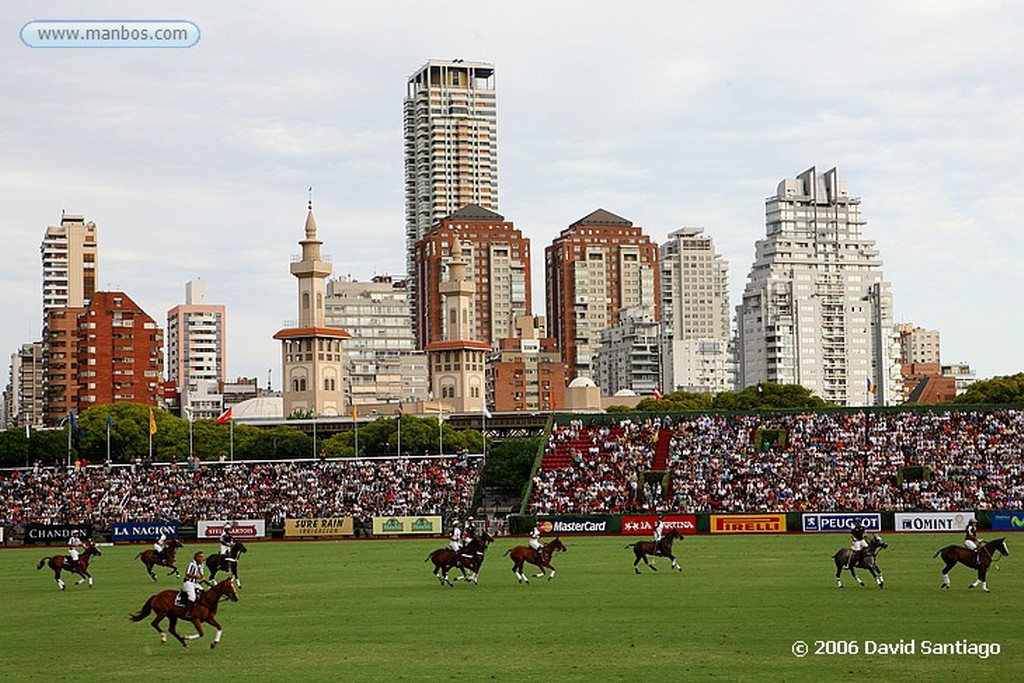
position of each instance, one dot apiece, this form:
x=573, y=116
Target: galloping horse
x=163, y=605
x=226, y=563
x=471, y=556
x=847, y=558
x=150, y=559
x=59, y=563
x=644, y=548
x=952, y=554
x=521, y=554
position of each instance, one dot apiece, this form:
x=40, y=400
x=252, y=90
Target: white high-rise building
x=697, y=353
x=451, y=146
x=816, y=310
x=196, y=351
x=70, y=259
x=383, y=363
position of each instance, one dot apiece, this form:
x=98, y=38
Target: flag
x=400, y=409
x=871, y=387
x=110, y=422
x=74, y=425
x=657, y=392
x=484, y=410
x=152, y=422
x=225, y=416
x=355, y=415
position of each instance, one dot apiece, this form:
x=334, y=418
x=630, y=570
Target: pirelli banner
x=319, y=527
x=407, y=526
x=772, y=523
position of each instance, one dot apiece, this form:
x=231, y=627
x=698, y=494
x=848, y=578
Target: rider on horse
x=75, y=546
x=470, y=532
x=971, y=541
x=536, y=545
x=659, y=533
x=158, y=546
x=193, y=576
x=226, y=541
x=859, y=544
x=455, y=540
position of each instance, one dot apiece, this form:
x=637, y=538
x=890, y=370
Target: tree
x=769, y=396
x=996, y=391
x=508, y=466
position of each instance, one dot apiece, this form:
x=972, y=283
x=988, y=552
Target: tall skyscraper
x=816, y=310
x=196, y=349
x=498, y=258
x=451, y=147
x=696, y=347
x=23, y=396
x=313, y=365
x=597, y=267
x=70, y=261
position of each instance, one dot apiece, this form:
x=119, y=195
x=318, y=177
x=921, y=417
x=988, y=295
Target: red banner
x=643, y=525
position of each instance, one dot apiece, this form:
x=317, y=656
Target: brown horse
x=522, y=554
x=59, y=563
x=952, y=554
x=164, y=604
x=664, y=549
x=471, y=556
x=150, y=558
x=848, y=558
x=226, y=563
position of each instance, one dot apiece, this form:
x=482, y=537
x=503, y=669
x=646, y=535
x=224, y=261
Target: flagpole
x=440, y=428
x=69, y=438
x=108, y=438
x=231, y=431
x=483, y=428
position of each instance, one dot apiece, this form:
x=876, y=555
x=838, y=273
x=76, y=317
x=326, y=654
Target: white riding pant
x=860, y=545
x=73, y=552
x=190, y=588
x=971, y=545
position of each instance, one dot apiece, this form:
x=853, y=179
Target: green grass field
x=372, y=611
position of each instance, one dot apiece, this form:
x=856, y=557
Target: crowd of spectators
x=274, y=491
x=841, y=461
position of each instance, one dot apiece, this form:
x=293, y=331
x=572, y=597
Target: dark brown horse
x=470, y=557
x=150, y=558
x=848, y=558
x=952, y=554
x=521, y=554
x=226, y=563
x=664, y=549
x=164, y=604
x=59, y=563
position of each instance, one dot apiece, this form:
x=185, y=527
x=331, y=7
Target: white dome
x=626, y=392
x=263, y=406
x=582, y=382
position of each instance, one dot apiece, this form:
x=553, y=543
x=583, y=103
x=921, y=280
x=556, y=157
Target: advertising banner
x=55, y=534
x=840, y=521
x=573, y=524
x=406, y=526
x=242, y=529
x=748, y=524
x=933, y=521
x=318, y=526
x=1006, y=520
x=643, y=525
x=142, y=531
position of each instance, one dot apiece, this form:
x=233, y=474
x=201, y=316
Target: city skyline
x=195, y=163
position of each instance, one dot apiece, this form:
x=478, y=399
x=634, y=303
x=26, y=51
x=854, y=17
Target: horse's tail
x=507, y=552
x=42, y=562
x=139, y=555
x=937, y=552
x=144, y=612
x=627, y=546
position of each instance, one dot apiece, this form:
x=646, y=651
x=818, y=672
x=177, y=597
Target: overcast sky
x=195, y=162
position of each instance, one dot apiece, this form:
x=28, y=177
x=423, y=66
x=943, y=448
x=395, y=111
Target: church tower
x=457, y=362
x=311, y=353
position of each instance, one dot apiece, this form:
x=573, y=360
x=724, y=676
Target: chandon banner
x=55, y=534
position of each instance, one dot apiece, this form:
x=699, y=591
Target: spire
x=310, y=221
